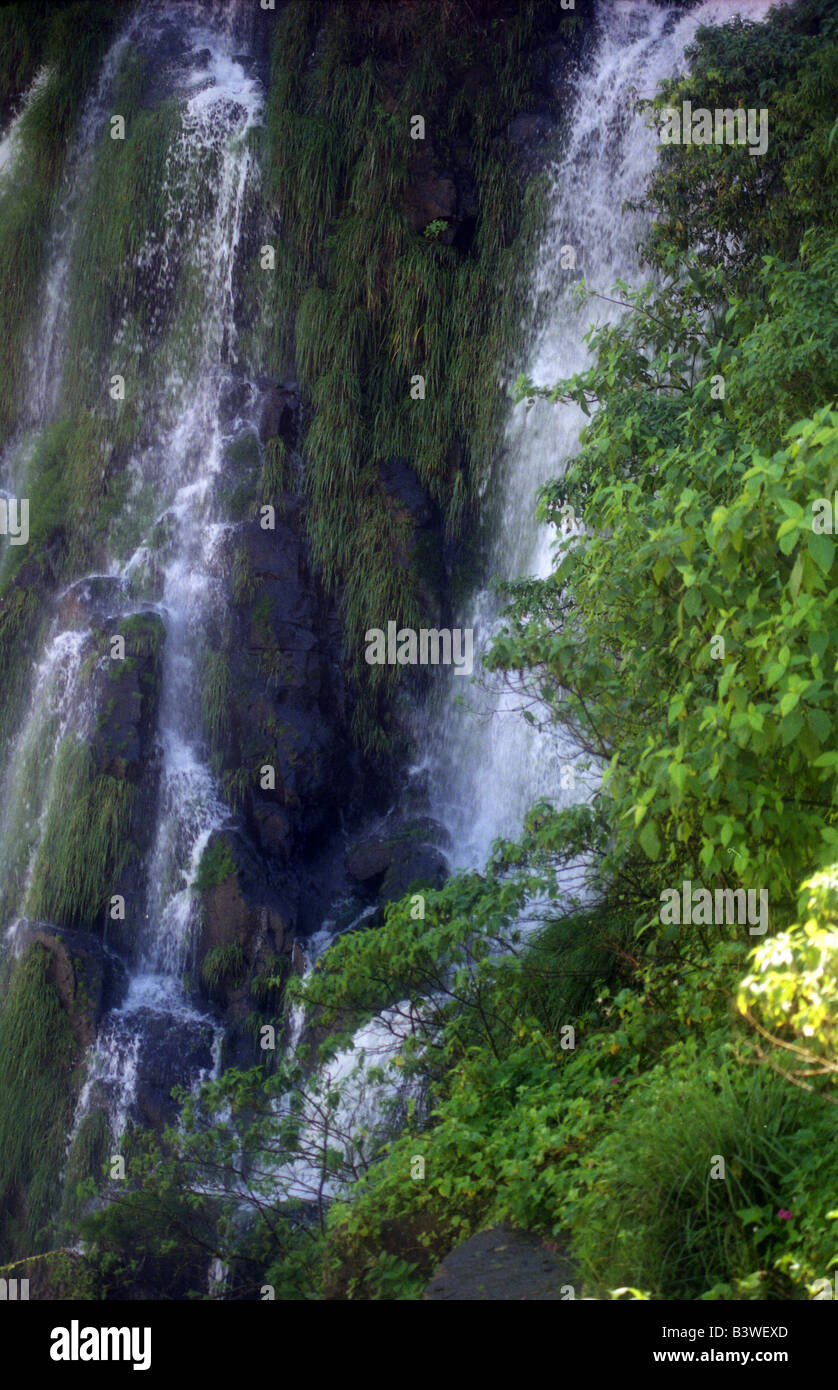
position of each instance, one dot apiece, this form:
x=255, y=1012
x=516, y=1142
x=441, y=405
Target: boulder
x=430, y=197
x=503, y=1264
x=289, y=703
x=235, y=396
x=89, y=600
x=175, y=1049
x=390, y=862
x=279, y=413
x=529, y=127
x=419, y=547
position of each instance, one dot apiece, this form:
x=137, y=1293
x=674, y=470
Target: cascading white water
x=54, y=705
x=47, y=340
x=10, y=141
x=208, y=174
x=492, y=765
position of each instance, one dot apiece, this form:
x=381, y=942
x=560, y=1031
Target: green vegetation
x=657, y=1097
x=223, y=967
x=70, y=41
x=86, y=840
x=216, y=866
x=86, y=1160
x=115, y=324
x=376, y=302
x=38, y=1055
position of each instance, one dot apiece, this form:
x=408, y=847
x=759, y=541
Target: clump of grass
x=266, y=986
x=235, y=783
x=86, y=842
x=215, y=696
x=71, y=43
x=216, y=866
x=22, y=618
x=654, y=1216
x=120, y=302
x=275, y=479
x=244, y=583
x=223, y=967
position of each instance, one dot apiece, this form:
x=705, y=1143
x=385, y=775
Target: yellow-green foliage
x=791, y=994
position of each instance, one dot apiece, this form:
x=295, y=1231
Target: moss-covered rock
x=245, y=938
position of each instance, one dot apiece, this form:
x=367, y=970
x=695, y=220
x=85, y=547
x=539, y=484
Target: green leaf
x=650, y=841
x=822, y=551
x=820, y=724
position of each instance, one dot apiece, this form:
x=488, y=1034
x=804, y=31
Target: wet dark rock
x=126, y=694
x=407, y=856
x=430, y=197
x=235, y=396
x=369, y=859
x=402, y=487
x=419, y=547
x=89, y=600
x=175, y=1049
x=123, y=743
x=419, y=867
x=246, y=934
x=274, y=828
x=279, y=413
x=504, y=1264
x=529, y=127
x=289, y=706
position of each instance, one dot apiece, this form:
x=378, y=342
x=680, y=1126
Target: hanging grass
x=215, y=697
x=70, y=43
x=38, y=1055
x=223, y=967
x=373, y=303
x=86, y=842
x=86, y=1160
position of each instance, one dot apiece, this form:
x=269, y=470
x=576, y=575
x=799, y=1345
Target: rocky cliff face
x=332, y=512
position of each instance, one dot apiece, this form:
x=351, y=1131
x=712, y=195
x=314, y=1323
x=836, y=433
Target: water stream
x=489, y=765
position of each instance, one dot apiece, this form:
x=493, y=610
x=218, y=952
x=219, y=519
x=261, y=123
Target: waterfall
x=174, y=572
x=491, y=764
x=220, y=103
x=161, y=559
